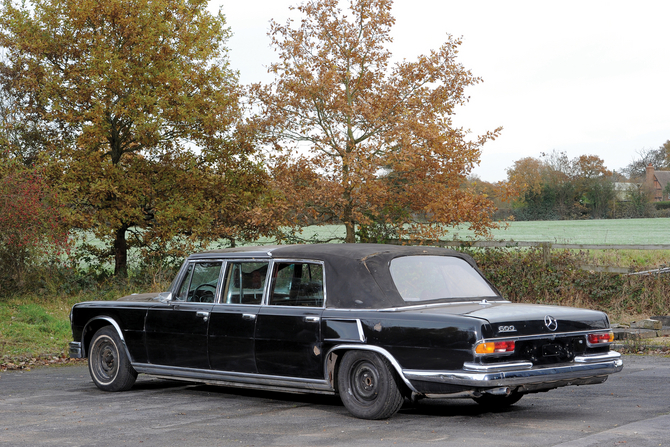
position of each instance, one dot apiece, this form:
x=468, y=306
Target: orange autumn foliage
x=365, y=141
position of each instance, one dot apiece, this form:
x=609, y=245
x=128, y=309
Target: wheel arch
x=95, y=324
x=334, y=357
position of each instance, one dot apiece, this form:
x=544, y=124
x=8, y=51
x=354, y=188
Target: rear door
x=288, y=328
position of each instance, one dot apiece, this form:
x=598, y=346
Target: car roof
x=357, y=275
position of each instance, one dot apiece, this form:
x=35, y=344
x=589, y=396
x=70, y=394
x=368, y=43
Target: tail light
x=495, y=347
x=600, y=338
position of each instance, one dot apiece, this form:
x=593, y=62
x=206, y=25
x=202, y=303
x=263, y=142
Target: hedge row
x=523, y=276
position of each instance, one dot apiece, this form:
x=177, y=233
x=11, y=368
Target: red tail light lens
x=600, y=338
x=495, y=347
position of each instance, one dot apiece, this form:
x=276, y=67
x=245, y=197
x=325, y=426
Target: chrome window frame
x=182, y=274
x=224, y=269
x=266, y=301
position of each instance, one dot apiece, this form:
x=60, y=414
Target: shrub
x=30, y=228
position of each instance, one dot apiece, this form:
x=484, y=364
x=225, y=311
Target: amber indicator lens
x=607, y=337
x=495, y=347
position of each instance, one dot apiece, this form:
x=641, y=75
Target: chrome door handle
x=312, y=319
x=204, y=315
x=248, y=317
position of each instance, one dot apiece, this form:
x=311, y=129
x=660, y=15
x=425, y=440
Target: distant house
x=657, y=182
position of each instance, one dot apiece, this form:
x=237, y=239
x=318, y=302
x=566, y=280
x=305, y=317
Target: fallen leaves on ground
x=27, y=363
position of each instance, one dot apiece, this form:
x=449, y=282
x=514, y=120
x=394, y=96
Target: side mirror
x=164, y=297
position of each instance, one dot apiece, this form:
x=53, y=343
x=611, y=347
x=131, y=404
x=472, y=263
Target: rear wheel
x=108, y=363
x=368, y=385
x=497, y=403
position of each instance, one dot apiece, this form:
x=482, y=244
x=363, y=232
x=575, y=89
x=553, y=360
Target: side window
x=297, y=284
x=183, y=288
x=245, y=282
x=199, y=284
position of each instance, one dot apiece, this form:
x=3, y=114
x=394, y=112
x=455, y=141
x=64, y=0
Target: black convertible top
x=357, y=275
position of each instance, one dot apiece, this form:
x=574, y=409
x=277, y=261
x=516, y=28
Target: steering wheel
x=200, y=295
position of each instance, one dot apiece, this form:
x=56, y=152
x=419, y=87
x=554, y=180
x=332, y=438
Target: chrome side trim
x=454, y=303
x=494, y=367
x=378, y=350
x=539, y=374
x=612, y=355
x=113, y=323
x=359, y=327
x=361, y=334
x=237, y=379
x=552, y=336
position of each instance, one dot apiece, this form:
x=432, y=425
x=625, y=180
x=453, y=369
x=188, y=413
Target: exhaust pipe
x=502, y=391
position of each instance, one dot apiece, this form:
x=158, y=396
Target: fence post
x=546, y=252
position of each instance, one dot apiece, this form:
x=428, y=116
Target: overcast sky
x=584, y=77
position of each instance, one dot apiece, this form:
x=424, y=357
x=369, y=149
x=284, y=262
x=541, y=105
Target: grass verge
x=35, y=327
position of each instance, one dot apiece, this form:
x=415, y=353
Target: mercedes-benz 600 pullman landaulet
x=375, y=324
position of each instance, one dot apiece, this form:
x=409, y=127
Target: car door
x=288, y=329
x=176, y=332
x=233, y=319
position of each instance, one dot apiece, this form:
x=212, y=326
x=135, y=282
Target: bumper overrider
x=75, y=350
x=584, y=369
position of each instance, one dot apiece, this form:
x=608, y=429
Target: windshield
x=426, y=278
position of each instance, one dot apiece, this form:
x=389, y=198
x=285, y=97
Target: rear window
x=427, y=278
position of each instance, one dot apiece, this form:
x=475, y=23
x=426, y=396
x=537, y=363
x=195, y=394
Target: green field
x=606, y=231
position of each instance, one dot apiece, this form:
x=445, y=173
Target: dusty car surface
x=373, y=323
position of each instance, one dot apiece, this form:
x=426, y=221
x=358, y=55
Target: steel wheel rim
x=105, y=362
x=364, y=380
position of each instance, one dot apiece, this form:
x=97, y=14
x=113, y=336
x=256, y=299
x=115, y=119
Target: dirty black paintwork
x=362, y=308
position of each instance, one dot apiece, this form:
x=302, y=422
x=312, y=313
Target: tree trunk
x=121, y=253
x=351, y=232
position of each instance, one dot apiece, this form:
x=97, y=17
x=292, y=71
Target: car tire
x=108, y=362
x=498, y=403
x=368, y=385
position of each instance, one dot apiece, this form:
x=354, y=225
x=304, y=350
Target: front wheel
x=498, y=403
x=368, y=385
x=108, y=363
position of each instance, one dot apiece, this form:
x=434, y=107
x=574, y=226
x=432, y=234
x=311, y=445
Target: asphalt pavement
x=60, y=406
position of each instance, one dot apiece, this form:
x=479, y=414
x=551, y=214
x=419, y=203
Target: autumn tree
x=364, y=140
x=140, y=108
x=593, y=184
x=526, y=173
x=557, y=187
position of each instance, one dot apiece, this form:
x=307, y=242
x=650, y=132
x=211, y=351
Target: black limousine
x=376, y=324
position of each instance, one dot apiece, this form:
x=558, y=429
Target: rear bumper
x=75, y=350
x=523, y=373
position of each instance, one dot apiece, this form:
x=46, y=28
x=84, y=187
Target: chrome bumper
x=522, y=373
x=75, y=350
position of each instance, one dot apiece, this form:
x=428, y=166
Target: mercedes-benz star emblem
x=551, y=323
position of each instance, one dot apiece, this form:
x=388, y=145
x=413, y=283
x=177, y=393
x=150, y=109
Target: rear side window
x=297, y=284
x=426, y=278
